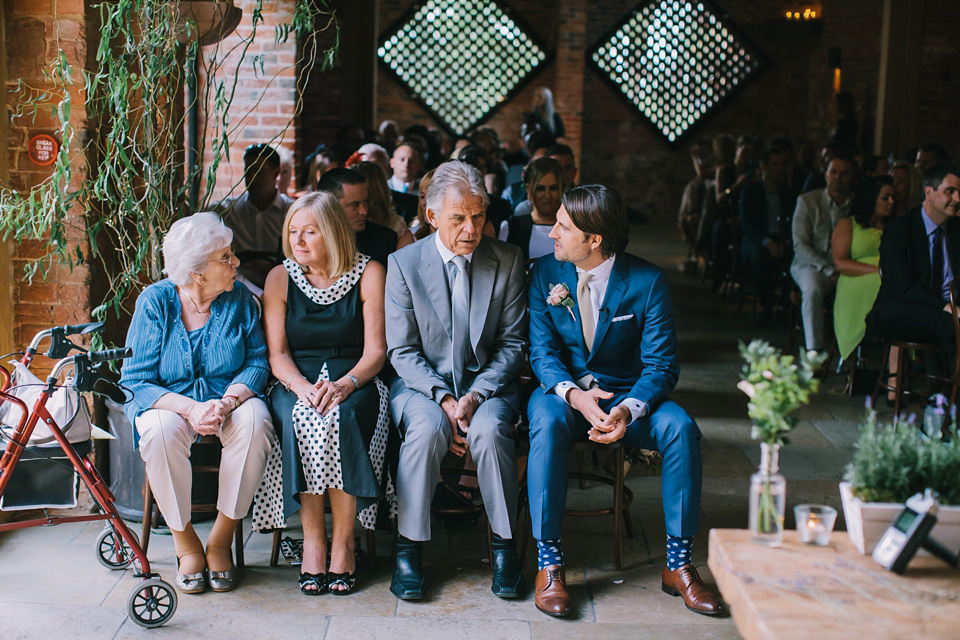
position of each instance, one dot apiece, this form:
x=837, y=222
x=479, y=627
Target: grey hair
x=375, y=153
x=189, y=243
x=456, y=176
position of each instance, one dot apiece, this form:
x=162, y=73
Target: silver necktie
x=460, y=307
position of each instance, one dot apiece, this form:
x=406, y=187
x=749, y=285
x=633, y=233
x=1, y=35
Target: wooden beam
x=898, y=78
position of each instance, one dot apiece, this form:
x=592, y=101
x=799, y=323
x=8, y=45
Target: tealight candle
x=815, y=523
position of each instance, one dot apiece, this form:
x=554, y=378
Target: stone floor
x=52, y=585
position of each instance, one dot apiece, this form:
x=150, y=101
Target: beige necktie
x=586, y=308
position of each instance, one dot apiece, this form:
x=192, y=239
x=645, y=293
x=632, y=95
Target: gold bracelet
x=236, y=401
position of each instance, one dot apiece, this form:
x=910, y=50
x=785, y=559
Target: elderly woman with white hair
x=199, y=362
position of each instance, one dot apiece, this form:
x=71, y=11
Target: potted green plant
x=892, y=462
x=777, y=385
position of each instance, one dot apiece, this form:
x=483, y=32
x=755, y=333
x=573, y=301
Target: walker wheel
x=109, y=554
x=152, y=603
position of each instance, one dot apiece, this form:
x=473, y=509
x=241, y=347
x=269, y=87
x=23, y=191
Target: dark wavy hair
x=865, y=200
x=596, y=209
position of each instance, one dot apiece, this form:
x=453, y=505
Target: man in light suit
x=812, y=269
x=456, y=318
x=603, y=348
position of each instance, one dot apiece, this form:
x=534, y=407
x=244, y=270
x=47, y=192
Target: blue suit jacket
x=635, y=345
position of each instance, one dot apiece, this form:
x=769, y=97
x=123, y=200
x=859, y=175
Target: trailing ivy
x=137, y=181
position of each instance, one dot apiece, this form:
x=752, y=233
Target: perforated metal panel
x=460, y=58
x=676, y=62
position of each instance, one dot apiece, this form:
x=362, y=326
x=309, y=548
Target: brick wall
x=793, y=96
x=939, y=76
x=33, y=38
x=264, y=103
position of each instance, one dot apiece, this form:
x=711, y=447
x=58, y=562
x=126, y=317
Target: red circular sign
x=43, y=149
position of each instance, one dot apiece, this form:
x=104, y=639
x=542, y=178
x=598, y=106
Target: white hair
x=548, y=110
x=286, y=156
x=459, y=177
x=372, y=152
x=190, y=242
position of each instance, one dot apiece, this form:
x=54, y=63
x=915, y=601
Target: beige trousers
x=165, y=441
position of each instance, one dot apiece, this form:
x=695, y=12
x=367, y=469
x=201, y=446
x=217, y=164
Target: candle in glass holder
x=815, y=523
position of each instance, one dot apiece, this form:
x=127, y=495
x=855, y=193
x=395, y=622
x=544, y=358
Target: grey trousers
x=815, y=286
x=427, y=439
x=165, y=442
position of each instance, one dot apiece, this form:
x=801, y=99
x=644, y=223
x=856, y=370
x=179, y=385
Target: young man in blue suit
x=604, y=350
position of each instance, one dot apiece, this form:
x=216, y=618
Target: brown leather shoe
x=686, y=582
x=551, y=592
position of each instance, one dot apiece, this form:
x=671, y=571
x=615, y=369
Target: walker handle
x=110, y=354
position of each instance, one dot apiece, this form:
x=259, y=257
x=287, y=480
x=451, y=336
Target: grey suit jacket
x=813, y=223
x=420, y=326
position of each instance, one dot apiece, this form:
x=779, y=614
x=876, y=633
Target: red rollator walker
x=153, y=601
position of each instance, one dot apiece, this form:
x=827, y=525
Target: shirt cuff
x=638, y=408
x=563, y=387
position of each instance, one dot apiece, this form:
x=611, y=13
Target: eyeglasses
x=228, y=259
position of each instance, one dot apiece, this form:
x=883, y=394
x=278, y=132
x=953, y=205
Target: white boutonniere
x=560, y=297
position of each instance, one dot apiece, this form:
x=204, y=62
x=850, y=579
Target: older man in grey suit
x=456, y=329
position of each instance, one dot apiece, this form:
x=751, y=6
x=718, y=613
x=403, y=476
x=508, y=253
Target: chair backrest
x=954, y=295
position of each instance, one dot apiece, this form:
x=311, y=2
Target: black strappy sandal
x=317, y=580
x=347, y=580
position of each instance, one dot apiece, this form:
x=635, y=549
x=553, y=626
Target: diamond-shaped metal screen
x=460, y=58
x=675, y=61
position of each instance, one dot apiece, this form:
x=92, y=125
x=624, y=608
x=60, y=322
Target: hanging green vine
x=137, y=180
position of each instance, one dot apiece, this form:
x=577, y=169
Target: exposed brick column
x=251, y=122
x=32, y=46
x=569, y=68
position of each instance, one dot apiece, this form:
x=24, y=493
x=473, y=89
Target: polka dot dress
x=318, y=436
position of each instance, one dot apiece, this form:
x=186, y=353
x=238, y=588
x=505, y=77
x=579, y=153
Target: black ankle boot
x=507, y=575
x=407, y=582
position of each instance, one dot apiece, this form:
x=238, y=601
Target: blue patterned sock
x=679, y=551
x=549, y=552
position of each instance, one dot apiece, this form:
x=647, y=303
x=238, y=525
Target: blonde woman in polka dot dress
x=323, y=312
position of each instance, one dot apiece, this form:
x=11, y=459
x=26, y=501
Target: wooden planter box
x=866, y=522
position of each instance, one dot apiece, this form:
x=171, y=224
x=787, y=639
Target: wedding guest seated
x=315, y=165
x=499, y=209
x=199, y=362
x=421, y=227
x=380, y=208
x=907, y=187
x=931, y=154
x=404, y=204
x=564, y=155
x=323, y=313
x=545, y=185
x=256, y=215
x=917, y=254
x=350, y=188
x=856, y=256
x=406, y=164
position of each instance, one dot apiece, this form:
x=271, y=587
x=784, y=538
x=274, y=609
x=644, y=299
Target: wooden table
x=806, y=592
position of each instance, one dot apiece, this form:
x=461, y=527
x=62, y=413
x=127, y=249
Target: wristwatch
x=478, y=396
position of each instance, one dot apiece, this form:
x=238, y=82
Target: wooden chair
x=622, y=496
x=151, y=513
x=903, y=376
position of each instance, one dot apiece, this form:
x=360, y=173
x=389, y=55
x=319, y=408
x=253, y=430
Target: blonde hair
x=334, y=228
x=425, y=228
x=379, y=202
